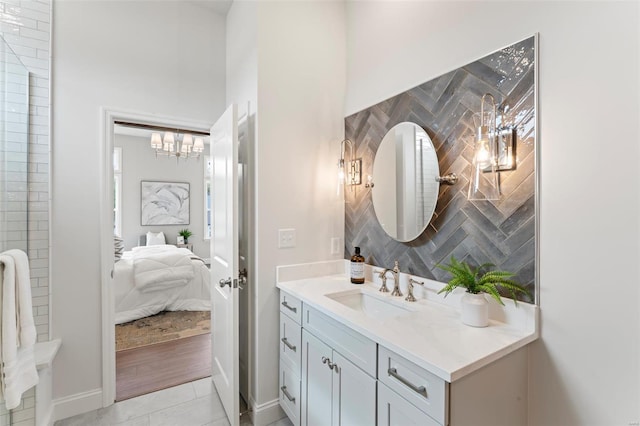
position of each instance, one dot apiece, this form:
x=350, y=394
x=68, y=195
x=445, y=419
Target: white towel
x=18, y=333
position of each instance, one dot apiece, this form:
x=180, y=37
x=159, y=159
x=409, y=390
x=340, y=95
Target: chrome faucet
x=396, y=279
x=383, y=276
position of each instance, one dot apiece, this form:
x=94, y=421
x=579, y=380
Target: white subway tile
x=41, y=301
x=16, y=40
x=8, y=28
x=38, y=101
x=35, y=34
x=41, y=319
x=29, y=402
x=35, y=63
x=35, y=5
x=41, y=81
x=43, y=92
x=38, y=235
x=39, y=158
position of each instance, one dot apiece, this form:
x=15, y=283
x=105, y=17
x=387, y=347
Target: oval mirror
x=405, y=188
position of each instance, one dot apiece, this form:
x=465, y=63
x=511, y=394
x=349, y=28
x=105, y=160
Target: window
x=208, y=171
x=117, y=191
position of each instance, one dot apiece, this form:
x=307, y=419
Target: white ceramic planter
x=475, y=310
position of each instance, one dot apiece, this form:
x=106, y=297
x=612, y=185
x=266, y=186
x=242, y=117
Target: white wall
x=585, y=369
x=164, y=58
x=298, y=80
x=301, y=78
x=140, y=163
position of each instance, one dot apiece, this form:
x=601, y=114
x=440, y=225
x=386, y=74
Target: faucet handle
x=396, y=266
x=412, y=282
x=410, y=297
x=382, y=273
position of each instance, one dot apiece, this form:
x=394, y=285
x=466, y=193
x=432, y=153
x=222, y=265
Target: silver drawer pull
x=287, y=394
x=288, y=306
x=419, y=389
x=289, y=345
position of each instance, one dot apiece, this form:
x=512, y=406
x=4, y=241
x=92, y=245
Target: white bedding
x=152, y=279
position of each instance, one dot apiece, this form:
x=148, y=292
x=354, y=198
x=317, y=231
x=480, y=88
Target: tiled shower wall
x=25, y=25
x=499, y=232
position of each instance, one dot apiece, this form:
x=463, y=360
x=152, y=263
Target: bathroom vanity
x=351, y=355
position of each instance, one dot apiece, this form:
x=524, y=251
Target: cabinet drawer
x=291, y=306
x=290, y=393
x=393, y=410
x=290, y=342
x=352, y=345
x=421, y=388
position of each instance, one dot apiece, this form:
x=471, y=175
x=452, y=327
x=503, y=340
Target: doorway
x=110, y=117
x=161, y=280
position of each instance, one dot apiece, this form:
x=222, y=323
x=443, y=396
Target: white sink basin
x=368, y=304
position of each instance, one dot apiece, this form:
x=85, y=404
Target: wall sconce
x=494, y=152
x=349, y=172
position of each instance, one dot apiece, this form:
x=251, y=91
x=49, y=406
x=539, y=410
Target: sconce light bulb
x=483, y=155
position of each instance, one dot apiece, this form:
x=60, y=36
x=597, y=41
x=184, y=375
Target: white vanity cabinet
x=334, y=391
x=331, y=374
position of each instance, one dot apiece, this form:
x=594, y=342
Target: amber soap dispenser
x=357, y=267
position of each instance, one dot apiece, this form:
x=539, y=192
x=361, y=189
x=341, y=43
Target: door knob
x=224, y=282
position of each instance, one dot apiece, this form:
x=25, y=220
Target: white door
x=224, y=263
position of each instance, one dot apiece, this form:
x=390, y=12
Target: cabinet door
x=393, y=410
x=316, y=382
x=354, y=394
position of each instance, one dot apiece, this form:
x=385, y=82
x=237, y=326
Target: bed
x=151, y=279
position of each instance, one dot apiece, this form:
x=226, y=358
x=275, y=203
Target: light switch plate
x=335, y=245
x=286, y=238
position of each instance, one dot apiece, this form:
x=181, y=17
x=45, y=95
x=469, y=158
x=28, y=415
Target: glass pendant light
x=484, y=183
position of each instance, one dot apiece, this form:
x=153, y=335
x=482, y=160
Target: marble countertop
x=431, y=335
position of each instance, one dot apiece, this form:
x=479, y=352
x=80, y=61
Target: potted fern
x=185, y=233
x=478, y=282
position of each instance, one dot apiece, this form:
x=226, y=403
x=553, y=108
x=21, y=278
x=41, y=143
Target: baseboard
x=79, y=403
x=267, y=413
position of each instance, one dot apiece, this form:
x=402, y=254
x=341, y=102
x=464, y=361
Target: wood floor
x=162, y=365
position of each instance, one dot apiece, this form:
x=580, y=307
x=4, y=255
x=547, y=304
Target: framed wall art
x=164, y=203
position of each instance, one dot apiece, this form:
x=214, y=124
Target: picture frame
x=180, y=240
x=164, y=203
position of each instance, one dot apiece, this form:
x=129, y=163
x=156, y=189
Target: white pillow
x=155, y=239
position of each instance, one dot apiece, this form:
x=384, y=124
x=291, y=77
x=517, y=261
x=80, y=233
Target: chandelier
x=172, y=145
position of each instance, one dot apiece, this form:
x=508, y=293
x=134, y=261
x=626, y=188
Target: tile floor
x=190, y=404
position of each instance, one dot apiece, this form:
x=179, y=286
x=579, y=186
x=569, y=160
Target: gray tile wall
x=499, y=232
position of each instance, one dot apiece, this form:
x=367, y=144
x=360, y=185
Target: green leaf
x=475, y=281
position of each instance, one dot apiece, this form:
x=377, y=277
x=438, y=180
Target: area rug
x=162, y=327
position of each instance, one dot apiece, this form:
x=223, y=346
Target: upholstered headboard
x=142, y=240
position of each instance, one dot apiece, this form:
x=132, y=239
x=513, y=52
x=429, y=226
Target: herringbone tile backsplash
x=499, y=232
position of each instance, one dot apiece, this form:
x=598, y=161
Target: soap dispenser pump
x=357, y=267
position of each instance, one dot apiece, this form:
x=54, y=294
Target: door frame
x=108, y=117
